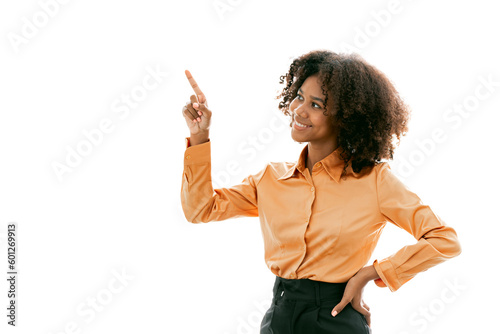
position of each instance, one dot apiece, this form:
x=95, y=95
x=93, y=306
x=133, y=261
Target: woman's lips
x=300, y=128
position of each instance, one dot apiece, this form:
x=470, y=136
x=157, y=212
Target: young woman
x=322, y=216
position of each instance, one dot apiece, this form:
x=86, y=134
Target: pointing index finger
x=196, y=88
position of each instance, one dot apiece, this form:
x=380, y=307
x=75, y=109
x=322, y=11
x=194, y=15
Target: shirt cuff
x=388, y=276
x=196, y=154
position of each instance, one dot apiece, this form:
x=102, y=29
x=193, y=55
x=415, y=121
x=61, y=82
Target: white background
x=119, y=208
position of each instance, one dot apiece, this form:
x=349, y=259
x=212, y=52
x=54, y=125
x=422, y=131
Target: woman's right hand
x=196, y=112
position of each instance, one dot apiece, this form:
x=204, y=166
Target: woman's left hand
x=353, y=294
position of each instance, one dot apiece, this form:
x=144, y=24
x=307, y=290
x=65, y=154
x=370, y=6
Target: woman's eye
x=314, y=104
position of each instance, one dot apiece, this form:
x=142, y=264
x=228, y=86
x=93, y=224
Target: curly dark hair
x=370, y=112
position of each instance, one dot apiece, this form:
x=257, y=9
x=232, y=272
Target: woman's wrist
x=368, y=273
x=198, y=138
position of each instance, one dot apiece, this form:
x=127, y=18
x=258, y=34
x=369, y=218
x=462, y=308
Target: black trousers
x=304, y=306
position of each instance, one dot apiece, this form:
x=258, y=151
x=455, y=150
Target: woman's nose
x=300, y=111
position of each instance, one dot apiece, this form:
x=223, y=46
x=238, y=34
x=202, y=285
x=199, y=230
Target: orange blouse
x=317, y=225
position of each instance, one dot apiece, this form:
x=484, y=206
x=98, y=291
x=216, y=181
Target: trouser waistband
x=307, y=290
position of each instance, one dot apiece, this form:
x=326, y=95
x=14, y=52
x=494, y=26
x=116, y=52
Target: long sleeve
x=201, y=203
x=436, y=241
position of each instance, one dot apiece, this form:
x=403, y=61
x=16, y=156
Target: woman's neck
x=317, y=152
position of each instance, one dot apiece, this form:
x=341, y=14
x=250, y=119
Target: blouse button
x=188, y=157
x=312, y=188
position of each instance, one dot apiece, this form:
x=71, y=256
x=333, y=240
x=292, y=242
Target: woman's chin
x=298, y=139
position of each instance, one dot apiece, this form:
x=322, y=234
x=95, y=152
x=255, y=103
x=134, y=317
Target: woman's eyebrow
x=313, y=97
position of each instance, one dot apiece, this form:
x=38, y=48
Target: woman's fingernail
x=199, y=113
x=334, y=313
x=199, y=119
x=196, y=105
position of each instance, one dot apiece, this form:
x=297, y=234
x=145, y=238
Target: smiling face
x=307, y=109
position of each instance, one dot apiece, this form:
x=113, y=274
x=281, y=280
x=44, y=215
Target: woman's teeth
x=301, y=125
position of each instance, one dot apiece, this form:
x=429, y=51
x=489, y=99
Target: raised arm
x=200, y=202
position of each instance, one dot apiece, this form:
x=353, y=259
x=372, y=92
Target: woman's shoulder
x=374, y=169
x=381, y=166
